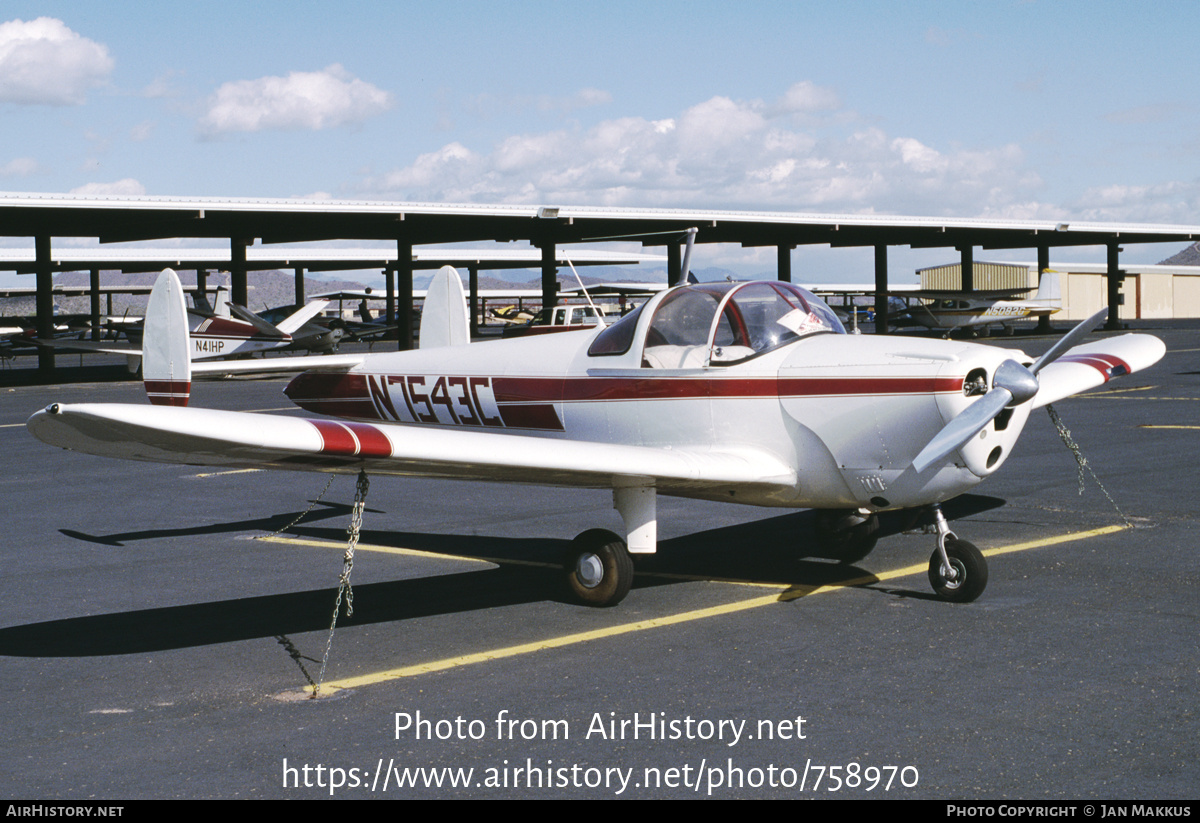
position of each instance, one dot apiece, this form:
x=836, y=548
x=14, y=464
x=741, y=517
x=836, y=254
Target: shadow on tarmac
x=528, y=570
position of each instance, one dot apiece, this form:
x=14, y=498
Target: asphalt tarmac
x=154, y=645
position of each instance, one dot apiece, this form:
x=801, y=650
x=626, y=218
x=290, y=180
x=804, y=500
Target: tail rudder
x=220, y=303
x=166, y=345
x=444, y=315
x=1049, y=291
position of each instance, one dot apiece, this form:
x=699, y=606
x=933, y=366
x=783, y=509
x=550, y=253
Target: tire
x=848, y=545
x=599, y=568
x=972, y=570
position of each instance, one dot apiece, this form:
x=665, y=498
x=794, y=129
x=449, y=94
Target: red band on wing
x=1108, y=365
x=352, y=439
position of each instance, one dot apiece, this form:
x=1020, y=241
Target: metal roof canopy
x=117, y=219
x=24, y=261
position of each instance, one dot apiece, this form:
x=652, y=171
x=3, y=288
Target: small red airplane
x=735, y=392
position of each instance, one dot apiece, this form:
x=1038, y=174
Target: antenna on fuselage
x=579, y=280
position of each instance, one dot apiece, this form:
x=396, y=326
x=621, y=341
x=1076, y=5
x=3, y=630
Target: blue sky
x=1063, y=110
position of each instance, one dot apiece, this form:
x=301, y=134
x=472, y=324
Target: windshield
x=618, y=337
x=720, y=324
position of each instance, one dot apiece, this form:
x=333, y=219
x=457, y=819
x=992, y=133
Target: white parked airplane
x=228, y=330
x=735, y=392
x=950, y=310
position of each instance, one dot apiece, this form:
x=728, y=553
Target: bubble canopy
x=719, y=324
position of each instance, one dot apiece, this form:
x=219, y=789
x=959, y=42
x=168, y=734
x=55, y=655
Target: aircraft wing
x=610, y=289
x=994, y=294
x=171, y=434
x=276, y=365
x=1094, y=364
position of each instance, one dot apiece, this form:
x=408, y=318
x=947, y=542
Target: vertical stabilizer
x=1049, y=291
x=444, y=315
x=166, y=345
x=220, y=304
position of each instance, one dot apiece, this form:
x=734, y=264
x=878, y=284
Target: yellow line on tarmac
x=370, y=547
x=550, y=643
x=1150, y=426
x=1099, y=396
x=1120, y=391
x=787, y=593
x=229, y=471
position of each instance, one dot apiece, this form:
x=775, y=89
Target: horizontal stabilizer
x=276, y=365
x=292, y=323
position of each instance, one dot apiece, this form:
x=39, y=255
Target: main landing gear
x=849, y=534
x=957, y=570
x=599, y=568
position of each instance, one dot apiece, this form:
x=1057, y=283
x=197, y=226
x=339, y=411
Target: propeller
x=1012, y=384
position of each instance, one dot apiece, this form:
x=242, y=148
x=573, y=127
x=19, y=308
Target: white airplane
x=950, y=310
x=228, y=330
x=735, y=392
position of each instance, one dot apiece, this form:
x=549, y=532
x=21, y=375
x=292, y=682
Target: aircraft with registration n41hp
x=735, y=392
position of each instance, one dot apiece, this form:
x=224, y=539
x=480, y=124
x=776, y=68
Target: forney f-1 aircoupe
x=747, y=393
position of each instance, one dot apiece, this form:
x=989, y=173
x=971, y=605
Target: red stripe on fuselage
x=236, y=329
x=581, y=389
x=528, y=402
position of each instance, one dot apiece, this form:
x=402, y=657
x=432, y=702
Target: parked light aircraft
x=950, y=310
x=228, y=330
x=736, y=392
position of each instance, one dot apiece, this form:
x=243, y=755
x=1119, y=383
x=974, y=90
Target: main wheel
x=850, y=544
x=971, y=572
x=599, y=568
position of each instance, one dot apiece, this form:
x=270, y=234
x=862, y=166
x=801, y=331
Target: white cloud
x=1171, y=202
x=43, y=61
x=804, y=97
x=302, y=100
x=726, y=153
x=19, y=167
x=121, y=188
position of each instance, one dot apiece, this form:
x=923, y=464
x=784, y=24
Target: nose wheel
x=958, y=570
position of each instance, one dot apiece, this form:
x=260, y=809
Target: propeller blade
x=1068, y=341
x=1012, y=384
x=962, y=428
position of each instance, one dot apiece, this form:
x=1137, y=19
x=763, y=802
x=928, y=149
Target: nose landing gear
x=957, y=570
